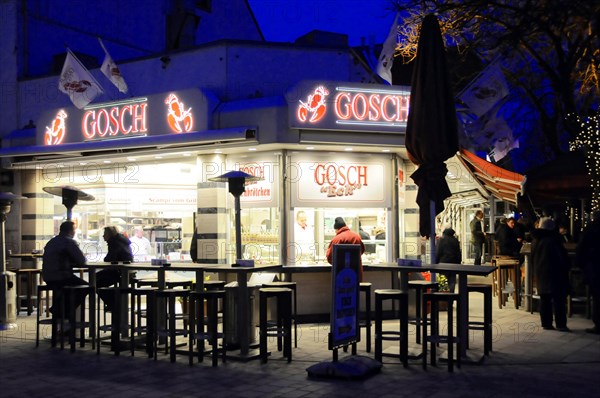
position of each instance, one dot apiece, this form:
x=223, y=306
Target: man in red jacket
x=343, y=235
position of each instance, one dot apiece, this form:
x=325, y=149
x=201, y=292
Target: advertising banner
x=344, y=321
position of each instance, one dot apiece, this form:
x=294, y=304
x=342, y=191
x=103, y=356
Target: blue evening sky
x=286, y=20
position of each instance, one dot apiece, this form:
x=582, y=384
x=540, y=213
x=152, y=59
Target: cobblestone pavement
x=526, y=361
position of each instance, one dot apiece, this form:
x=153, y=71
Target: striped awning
x=500, y=183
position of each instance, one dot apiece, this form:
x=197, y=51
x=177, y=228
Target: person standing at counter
x=304, y=236
x=61, y=255
x=140, y=245
x=343, y=235
x=119, y=249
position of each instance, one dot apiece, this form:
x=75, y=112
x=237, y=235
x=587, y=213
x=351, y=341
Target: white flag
x=486, y=90
x=386, y=58
x=77, y=82
x=111, y=70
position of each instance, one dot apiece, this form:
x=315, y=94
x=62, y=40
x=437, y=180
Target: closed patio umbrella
x=431, y=131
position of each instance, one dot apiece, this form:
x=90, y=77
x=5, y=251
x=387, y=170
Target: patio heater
x=8, y=286
x=237, y=181
x=70, y=195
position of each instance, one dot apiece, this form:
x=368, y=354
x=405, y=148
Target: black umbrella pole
x=432, y=255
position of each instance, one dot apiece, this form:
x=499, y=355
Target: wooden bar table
x=243, y=302
x=462, y=271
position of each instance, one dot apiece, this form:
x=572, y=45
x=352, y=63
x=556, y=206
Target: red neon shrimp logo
x=55, y=133
x=314, y=106
x=180, y=119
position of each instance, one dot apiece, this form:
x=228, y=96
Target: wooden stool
x=401, y=334
x=45, y=289
x=82, y=324
x=198, y=333
x=30, y=275
x=420, y=286
x=289, y=285
x=137, y=314
x=486, y=324
x=365, y=287
x=214, y=285
x=435, y=337
x=507, y=269
x=169, y=330
x=282, y=326
x=115, y=322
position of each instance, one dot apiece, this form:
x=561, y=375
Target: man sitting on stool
x=61, y=255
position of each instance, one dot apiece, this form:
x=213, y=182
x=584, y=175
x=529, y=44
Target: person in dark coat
x=477, y=236
x=61, y=255
x=448, y=251
x=587, y=257
x=448, y=248
x=508, y=242
x=551, y=268
x=119, y=249
x=343, y=235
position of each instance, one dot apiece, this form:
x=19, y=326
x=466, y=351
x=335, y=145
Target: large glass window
x=153, y=200
x=313, y=230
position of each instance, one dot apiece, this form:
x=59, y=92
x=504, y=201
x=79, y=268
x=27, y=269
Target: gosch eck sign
x=348, y=107
x=158, y=114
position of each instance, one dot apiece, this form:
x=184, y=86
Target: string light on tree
x=588, y=139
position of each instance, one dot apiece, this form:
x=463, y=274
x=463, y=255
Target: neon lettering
x=114, y=121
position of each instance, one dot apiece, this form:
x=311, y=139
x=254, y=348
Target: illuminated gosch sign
x=118, y=120
x=157, y=114
x=363, y=107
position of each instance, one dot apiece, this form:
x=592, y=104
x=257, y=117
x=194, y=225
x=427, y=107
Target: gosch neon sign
x=119, y=119
x=346, y=107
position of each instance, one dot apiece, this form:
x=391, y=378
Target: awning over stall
x=499, y=182
x=562, y=179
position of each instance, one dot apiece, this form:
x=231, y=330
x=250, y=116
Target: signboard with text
x=344, y=181
x=263, y=193
x=344, y=320
x=175, y=112
x=348, y=107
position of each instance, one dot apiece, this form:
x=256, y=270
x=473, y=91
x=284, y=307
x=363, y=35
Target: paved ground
x=526, y=361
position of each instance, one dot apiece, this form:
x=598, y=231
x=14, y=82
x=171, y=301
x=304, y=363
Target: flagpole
x=102, y=44
x=83, y=66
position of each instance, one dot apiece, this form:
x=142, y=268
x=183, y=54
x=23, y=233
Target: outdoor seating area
x=139, y=322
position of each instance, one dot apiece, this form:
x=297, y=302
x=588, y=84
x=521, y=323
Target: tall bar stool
x=82, y=324
x=486, y=324
x=137, y=314
x=289, y=285
x=280, y=327
x=49, y=320
x=114, y=327
x=29, y=275
x=401, y=334
x=201, y=331
x=420, y=286
x=170, y=330
x=214, y=285
x=507, y=269
x=435, y=338
x=365, y=287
